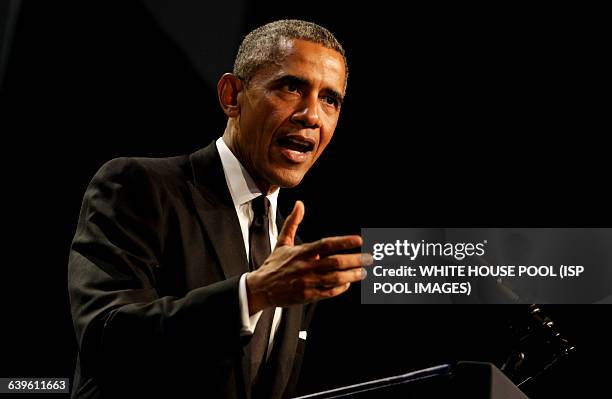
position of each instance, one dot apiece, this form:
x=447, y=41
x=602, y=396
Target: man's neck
x=264, y=186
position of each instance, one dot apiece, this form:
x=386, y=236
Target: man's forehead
x=310, y=62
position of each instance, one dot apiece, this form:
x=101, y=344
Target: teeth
x=298, y=141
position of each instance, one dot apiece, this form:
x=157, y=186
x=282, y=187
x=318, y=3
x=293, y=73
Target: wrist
x=256, y=297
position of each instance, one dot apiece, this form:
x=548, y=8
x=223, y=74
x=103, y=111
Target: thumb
x=287, y=234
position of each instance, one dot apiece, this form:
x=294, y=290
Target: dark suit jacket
x=153, y=281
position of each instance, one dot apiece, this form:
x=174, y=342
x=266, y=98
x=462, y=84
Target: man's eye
x=331, y=100
x=292, y=87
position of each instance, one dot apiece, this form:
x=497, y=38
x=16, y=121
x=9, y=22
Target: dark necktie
x=259, y=250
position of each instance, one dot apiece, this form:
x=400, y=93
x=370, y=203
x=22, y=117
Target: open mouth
x=296, y=143
x=296, y=149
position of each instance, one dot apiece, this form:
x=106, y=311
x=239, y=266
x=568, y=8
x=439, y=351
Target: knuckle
x=326, y=243
x=292, y=258
x=306, y=247
x=331, y=278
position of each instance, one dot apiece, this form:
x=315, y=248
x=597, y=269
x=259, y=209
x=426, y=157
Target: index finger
x=329, y=245
x=341, y=262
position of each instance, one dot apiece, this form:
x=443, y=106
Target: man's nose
x=307, y=115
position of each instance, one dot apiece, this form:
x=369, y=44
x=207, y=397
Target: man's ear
x=228, y=88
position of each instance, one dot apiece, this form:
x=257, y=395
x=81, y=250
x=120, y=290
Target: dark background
x=455, y=116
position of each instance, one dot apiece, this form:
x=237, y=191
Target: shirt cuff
x=248, y=322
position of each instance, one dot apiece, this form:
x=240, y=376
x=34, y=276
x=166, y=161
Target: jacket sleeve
x=122, y=324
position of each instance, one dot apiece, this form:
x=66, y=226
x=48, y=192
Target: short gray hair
x=262, y=46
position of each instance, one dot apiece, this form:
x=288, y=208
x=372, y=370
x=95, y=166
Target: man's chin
x=287, y=179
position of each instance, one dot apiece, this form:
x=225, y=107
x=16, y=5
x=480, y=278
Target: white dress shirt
x=243, y=189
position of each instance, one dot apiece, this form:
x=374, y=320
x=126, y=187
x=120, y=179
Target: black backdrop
x=455, y=116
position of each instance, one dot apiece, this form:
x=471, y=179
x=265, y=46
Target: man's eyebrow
x=284, y=79
x=337, y=96
x=299, y=81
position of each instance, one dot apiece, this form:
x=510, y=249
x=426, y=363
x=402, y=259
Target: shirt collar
x=241, y=185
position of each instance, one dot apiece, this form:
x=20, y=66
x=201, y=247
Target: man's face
x=288, y=113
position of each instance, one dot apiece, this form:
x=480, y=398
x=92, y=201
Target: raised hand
x=295, y=274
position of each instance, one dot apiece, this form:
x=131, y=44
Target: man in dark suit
x=184, y=279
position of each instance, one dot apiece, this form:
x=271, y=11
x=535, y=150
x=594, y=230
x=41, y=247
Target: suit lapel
x=215, y=208
x=216, y=211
